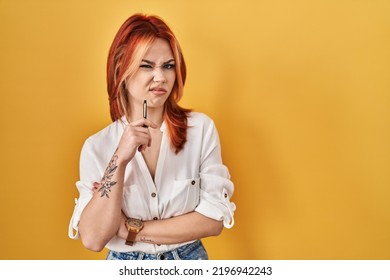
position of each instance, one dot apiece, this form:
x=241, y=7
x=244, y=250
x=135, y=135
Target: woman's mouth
x=158, y=91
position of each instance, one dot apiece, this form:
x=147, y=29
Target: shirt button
x=225, y=195
x=155, y=218
x=193, y=182
x=153, y=194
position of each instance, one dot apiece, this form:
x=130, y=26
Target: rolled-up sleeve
x=216, y=188
x=89, y=174
x=85, y=190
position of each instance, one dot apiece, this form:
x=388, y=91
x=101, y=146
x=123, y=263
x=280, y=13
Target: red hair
x=130, y=44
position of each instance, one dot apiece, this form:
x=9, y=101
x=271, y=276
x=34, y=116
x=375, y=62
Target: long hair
x=129, y=46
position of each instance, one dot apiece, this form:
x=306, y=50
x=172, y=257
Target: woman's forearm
x=175, y=230
x=101, y=217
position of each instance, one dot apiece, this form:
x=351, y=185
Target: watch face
x=134, y=223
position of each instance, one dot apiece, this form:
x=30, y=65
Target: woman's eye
x=147, y=66
x=169, y=66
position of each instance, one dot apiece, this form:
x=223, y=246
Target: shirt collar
x=163, y=126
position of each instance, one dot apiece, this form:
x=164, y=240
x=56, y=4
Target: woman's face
x=155, y=76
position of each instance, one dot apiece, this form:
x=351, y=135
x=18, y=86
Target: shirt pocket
x=185, y=195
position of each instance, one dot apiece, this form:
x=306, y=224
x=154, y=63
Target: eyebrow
x=152, y=63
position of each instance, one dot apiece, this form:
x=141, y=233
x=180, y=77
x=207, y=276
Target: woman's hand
x=136, y=136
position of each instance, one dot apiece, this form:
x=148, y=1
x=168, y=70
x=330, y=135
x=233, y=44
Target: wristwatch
x=134, y=226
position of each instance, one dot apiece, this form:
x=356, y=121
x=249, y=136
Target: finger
x=144, y=122
x=143, y=142
x=142, y=148
x=96, y=186
x=144, y=133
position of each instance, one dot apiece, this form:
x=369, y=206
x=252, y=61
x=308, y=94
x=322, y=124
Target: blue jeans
x=192, y=251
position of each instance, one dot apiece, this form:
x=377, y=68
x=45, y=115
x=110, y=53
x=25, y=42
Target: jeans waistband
x=175, y=254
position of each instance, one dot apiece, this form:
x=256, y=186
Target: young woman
x=152, y=183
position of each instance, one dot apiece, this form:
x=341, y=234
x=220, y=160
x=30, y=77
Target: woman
x=151, y=186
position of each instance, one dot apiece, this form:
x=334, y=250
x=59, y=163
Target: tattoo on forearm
x=107, y=182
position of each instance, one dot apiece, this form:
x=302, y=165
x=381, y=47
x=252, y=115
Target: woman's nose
x=159, y=75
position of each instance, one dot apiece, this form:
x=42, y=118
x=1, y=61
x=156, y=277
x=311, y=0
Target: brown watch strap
x=131, y=238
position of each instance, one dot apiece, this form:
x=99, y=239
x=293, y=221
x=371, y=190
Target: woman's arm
x=101, y=218
x=175, y=230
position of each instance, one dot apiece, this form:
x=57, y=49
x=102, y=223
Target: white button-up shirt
x=195, y=179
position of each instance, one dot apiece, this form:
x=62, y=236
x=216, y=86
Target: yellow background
x=299, y=90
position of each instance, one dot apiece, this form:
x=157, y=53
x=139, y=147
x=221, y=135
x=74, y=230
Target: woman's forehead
x=159, y=51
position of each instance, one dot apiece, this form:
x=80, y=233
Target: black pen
x=145, y=112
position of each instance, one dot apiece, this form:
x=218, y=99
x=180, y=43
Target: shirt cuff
x=220, y=210
x=86, y=193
